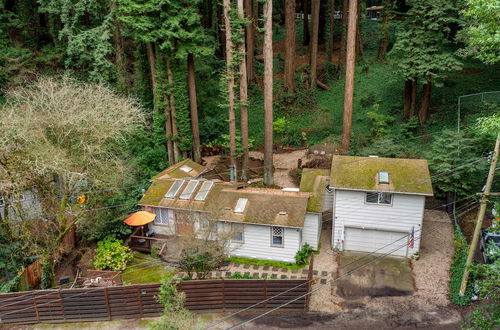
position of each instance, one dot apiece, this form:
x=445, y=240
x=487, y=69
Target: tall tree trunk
x=193, y=106
x=123, y=79
x=250, y=40
x=290, y=46
x=407, y=98
x=349, y=75
x=331, y=31
x=313, y=56
x=230, y=82
x=343, y=35
x=426, y=103
x=152, y=67
x=243, y=101
x=168, y=132
x=268, y=93
x=220, y=32
x=413, y=101
x=359, y=36
x=384, y=38
x=305, y=10
x=175, y=131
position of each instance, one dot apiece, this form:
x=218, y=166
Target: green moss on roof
x=313, y=180
x=155, y=192
x=405, y=175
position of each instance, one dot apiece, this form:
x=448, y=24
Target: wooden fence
x=137, y=301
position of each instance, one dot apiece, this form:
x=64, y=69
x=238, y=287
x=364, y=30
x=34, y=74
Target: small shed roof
x=264, y=206
x=183, y=169
x=408, y=176
x=313, y=180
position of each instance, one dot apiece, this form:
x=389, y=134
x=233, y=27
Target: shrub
x=200, y=262
x=112, y=255
x=457, y=270
x=239, y=276
x=47, y=274
x=303, y=254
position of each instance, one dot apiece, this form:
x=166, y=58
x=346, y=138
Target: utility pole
x=480, y=217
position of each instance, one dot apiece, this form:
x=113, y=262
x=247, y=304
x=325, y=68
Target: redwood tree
x=305, y=29
x=268, y=93
x=331, y=21
x=243, y=99
x=343, y=34
x=313, y=56
x=290, y=45
x=349, y=75
x=250, y=39
x=230, y=82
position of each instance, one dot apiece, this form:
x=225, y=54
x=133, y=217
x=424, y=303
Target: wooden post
x=265, y=293
x=33, y=294
x=141, y=306
x=62, y=304
x=310, y=279
x=480, y=217
x=223, y=297
x=108, y=307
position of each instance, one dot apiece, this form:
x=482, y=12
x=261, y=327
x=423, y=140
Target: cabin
x=378, y=204
x=268, y=224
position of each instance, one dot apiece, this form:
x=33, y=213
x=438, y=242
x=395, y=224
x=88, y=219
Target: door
x=376, y=241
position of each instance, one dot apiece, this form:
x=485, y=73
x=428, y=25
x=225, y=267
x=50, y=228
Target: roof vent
x=240, y=205
x=383, y=177
x=373, y=156
x=282, y=213
x=186, y=168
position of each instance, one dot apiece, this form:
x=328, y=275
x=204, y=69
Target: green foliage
x=380, y=121
x=457, y=270
x=112, y=255
x=302, y=255
x=264, y=263
x=47, y=274
x=239, y=276
x=488, y=275
x=421, y=48
x=223, y=141
x=484, y=318
x=200, y=261
x=10, y=285
x=481, y=30
x=175, y=316
x=448, y=151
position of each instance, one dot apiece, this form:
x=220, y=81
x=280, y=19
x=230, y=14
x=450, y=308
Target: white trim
x=389, y=191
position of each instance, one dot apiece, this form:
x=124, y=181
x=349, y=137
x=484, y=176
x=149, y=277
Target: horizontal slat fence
x=137, y=301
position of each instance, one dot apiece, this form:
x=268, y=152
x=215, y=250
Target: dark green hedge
x=457, y=271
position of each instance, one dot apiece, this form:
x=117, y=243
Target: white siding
x=257, y=244
x=312, y=230
x=351, y=211
x=376, y=241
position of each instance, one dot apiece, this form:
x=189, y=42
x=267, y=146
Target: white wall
x=257, y=244
x=312, y=230
x=350, y=210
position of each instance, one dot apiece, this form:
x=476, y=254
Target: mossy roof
x=410, y=176
x=175, y=172
x=313, y=180
x=264, y=206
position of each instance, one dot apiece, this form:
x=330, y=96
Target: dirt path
x=283, y=163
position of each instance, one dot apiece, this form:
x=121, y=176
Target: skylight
x=186, y=168
x=174, y=189
x=240, y=205
x=188, y=191
x=383, y=177
x=203, y=192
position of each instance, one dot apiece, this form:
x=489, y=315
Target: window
x=186, y=168
x=383, y=177
x=161, y=216
x=174, y=189
x=277, y=236
x=381, y=198
x=188, y=191
x=238, y=230
x=240, y=205
x=203, y=192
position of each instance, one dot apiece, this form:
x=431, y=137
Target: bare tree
x=313, y=56
x=290, y=46
x=243, y=99
x=268, y=93
x=230, y=82
x=349, y=75
x=195, y=127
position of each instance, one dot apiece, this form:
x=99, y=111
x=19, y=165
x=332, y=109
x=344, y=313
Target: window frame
x=242, y=232
x=379, y=198
x=282, y=245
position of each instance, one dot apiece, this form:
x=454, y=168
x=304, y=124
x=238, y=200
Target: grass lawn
x=144, y=269
x=270, y=263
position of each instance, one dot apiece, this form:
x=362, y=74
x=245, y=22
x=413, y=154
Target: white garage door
x=369, y=240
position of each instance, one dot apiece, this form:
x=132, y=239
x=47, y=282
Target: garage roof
x=408, y=176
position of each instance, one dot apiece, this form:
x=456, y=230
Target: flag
x=411, y=239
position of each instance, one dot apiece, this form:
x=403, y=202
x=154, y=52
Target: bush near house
x=112, y=255
x=303, y=254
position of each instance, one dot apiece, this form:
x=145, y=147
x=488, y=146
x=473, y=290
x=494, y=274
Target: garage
x=369, y=240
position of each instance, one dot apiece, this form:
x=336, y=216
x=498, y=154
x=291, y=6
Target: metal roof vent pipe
x=232, y=173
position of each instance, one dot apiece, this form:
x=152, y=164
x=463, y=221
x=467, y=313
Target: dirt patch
x=218, y=167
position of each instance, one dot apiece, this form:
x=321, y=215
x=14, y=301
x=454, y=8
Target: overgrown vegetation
x=302, y=256
x=111, y=254
x=457, y=270
x=266, y=263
